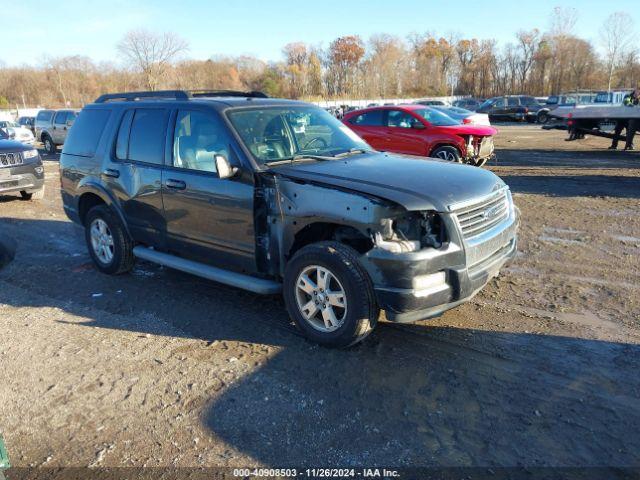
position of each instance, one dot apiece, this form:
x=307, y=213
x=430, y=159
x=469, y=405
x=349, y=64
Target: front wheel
x=543, y=117
x=49, y=146
x=448, y=153
x=329, y=295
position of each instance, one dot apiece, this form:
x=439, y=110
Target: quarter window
x=198, y=138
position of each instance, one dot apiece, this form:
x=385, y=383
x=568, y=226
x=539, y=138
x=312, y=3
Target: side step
x=246, y=282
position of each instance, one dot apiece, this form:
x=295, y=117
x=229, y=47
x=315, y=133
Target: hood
x=416, y=183
x=13, y=146
x=470, y=129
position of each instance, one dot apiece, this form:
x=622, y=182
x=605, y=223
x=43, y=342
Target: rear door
x=403, y=137
x=58, y=131
x=208, y=219
x=134, y=172
x=513, y=107
x=371, y=128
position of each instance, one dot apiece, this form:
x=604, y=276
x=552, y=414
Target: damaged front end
x=417, y=260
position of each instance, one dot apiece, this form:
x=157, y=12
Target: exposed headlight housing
x=30, y=154
x=411, y=232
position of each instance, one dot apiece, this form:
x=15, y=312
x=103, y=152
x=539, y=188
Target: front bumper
x=466, y=270
x=22, y=178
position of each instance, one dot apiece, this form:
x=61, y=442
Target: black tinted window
x=61, y=118
x=85, y=135
x=45, y=115
x=528, y=101
x=512, y=102
x=373, y=118
x=147, y=137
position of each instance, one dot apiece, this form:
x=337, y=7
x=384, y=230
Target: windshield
x=436, y=118
x=282, y=133
x=7, y=124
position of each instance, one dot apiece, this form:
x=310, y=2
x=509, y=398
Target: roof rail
x=226, y=93
x=175, y=95
x=133, y=96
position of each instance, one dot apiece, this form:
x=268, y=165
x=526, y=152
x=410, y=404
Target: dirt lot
x=159, y=368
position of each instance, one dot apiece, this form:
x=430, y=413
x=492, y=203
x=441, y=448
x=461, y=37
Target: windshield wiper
x=353, y=151
x=301, y=157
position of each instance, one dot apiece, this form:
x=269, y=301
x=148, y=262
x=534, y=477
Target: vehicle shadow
x=410, y=395
x=575, y=185
x=566, y=159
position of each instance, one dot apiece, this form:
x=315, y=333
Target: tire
x=347, y=277
x=49, y=146
x=447, y=152
x=37, y=195
x=121, y=259
x=543, y=117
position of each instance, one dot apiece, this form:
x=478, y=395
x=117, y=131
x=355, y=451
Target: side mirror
x=418, y=126
x=224, y=168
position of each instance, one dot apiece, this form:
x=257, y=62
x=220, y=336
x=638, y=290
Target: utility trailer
x=596, y=120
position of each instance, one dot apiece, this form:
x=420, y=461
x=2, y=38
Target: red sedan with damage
x=424, y=131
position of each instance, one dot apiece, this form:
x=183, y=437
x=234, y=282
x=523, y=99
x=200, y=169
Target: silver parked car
x=52, y=127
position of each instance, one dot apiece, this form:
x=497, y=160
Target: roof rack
x=226, y=93
x=175, y=95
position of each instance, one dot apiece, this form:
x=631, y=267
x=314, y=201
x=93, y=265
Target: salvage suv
x=277, y=196
x=21, y=169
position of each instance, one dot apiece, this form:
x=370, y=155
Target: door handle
x=176, y=184
x=111, y=172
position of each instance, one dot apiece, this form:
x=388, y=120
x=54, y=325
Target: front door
x=208, y=219
x=403, y=135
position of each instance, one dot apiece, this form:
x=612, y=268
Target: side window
x=84, y=138
x=400, y=119
x=370, y=119
x=122, y=143
x=500, y=102
x=61, y=118
x=198, y=137
x=71, y=118
x=44, y=116
x=147, y=136
x=513, y=102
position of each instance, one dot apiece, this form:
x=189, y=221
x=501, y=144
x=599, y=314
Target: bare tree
x=616, y=35
x=151, y=53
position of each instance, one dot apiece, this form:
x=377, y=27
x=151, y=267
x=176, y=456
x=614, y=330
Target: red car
x=424, y=131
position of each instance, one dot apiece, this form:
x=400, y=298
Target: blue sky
x=34, y=28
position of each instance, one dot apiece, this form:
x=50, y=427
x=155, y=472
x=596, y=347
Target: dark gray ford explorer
x=276, y=196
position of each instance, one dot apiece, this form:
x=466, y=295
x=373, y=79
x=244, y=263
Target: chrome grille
x=475, y=218
x=10, y=159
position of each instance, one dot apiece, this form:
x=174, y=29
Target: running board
x=239, y=280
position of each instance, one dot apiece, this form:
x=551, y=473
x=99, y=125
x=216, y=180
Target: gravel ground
x=159, y=368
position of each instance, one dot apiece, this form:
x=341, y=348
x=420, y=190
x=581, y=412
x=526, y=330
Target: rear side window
x=61, y=118
x=147, y=136
x=44, y=116
x=512, y=102
x=372, y=119
x=87, y=130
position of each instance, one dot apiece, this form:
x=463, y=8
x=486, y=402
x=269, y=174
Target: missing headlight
x=411, y=232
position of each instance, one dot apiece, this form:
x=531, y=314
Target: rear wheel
x=448, y=153
x=109, y=245
x=329, y=295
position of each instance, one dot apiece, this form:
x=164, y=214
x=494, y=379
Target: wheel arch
x=91, y=194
